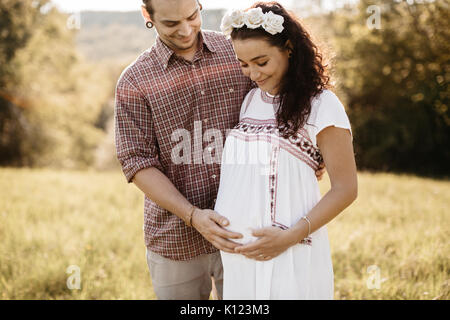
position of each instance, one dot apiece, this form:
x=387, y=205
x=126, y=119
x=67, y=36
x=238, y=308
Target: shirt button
x=210, y=149
x=214, y=176
x=205, y=120
x=231, y=90
x=202, y=92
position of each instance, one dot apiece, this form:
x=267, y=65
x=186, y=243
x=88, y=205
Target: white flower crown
x=253, y=19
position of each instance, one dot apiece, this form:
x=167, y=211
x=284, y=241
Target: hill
x=121, y=36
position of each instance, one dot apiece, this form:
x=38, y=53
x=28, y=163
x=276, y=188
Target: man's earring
x=201, y=7
x=149, y=24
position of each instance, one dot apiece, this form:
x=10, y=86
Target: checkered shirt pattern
x=159, y=94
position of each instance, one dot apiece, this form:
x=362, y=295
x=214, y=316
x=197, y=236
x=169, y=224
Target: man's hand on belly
x=210, y=224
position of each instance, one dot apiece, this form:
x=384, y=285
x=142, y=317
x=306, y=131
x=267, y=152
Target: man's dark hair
x=148, y=6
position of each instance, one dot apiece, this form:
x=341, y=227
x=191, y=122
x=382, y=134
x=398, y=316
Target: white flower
x=254, y=18
x=226, y=25
x=237, y=18
x=273, y=23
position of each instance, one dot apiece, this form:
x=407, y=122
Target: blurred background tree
x=395, y=83
x=50, y=98
x=16, y=22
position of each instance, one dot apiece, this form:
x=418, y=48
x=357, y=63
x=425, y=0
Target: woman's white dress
x=267, y=180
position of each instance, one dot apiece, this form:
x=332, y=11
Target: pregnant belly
x=242, y=198
x=238, y=223
x=244, y=215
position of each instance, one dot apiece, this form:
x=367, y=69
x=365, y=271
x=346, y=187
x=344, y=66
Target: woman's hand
x=272, y=242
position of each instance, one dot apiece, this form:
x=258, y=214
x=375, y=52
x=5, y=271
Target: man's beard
x=188, y=46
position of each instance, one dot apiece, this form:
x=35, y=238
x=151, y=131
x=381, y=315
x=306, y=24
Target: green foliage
x=395, y=81
x=16, y=21
x=52, y=100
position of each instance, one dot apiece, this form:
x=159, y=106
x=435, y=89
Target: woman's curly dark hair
x=306, y=75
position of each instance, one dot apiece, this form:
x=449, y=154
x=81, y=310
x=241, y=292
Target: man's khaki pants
x=186, y=280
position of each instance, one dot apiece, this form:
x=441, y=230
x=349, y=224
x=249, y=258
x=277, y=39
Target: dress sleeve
x=327, y=111
x=136, y=143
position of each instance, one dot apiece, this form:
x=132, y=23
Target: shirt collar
x=165, y=53
x=207, y=42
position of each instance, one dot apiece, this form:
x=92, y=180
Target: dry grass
x=51, y=220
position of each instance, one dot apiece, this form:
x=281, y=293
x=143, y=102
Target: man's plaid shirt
x=166, y=110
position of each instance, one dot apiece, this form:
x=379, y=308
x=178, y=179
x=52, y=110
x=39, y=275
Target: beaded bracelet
x=309, y=225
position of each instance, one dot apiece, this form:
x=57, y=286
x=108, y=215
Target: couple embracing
x=246, y=229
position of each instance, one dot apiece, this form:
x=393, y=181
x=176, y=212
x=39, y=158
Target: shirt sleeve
x=135, y=138
x=329, y=111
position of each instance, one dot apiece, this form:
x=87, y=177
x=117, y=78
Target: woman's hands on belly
x=270, y=242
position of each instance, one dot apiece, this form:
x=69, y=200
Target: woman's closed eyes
x=259, y=64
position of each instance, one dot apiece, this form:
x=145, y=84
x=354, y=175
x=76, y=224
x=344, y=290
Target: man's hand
x=210, y=224
x=320, y=172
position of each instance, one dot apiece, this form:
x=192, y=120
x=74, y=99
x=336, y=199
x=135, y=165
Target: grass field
x=392, y=243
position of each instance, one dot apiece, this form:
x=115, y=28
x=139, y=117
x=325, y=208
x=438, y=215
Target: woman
x=288, y=126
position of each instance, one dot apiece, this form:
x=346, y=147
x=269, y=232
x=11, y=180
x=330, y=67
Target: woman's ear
x=289, y=47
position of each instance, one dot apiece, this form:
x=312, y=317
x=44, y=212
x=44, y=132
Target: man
x=188, y=84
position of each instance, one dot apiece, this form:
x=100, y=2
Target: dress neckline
x=268, y=98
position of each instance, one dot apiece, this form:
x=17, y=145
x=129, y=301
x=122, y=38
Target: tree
x=50, y=99
x=17, y=22
x=395, y=81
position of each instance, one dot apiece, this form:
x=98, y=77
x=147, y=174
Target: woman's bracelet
x=309, y=225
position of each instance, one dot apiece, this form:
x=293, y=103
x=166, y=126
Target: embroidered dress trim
x=273, y=187
x=299, y=146
x=273, y=183
x=273, y=122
